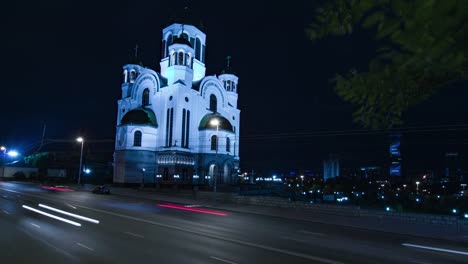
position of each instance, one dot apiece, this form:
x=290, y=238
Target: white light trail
x=71, y=206
x=81, y=245
x=52, y=216
x=94, y=221
x=437, y=249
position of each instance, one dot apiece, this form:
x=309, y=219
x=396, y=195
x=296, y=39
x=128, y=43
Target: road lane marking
x=4, y=196
x=419, y=262
x=50, y=245
x=6, y=212
x=81, y=245
x=232, y=240
x=70, y=214
x=223, y=260
x=52, y=216
x=312, y=233
x=71, y=206
x=35, y=225
x=436, y=249
x=133, y=234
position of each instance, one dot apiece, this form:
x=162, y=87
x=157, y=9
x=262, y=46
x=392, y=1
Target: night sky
x=62, y=65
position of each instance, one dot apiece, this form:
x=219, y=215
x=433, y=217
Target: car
x=101, y=189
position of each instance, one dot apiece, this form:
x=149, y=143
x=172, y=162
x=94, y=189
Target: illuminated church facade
x=177, y=125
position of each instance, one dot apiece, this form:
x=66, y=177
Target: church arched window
x=197, y=49
x=137, y=139
x=132, y=76
x=185, y=36
x=180, y=60
x=173, y=59
x=214, y=142
x=228, y=144
x=187, y=59
x=145, y=97
x=168, y=43
x=164, y=49
x=213, y=103
x=228, y=85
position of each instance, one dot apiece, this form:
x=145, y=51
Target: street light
x=81, y=140
x=215, y=122
x=417, y=187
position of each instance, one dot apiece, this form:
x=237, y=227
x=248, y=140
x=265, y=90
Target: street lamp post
x=215, y=122
x=417, y=187
x=81, y=140
x=3, y=149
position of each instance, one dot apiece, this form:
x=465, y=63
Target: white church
x=179, y=125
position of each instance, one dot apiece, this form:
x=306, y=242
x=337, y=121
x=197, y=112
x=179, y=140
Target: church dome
x=224, y=124
x=182, y=40
x=140, y=116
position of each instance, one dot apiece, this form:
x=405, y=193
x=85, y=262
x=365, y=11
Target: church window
x=228, y=144
x=192, y=42
x=213, y=103
x=224, y=82
x=169, y=40
x=214, y=142
x=137, y=139
x=203, y=54
x=186, y=99
x=171, y=125
x=145, y=97
x=173, y=60
x=187, y=131
x=197, y=49
x=164, y=49
x=132, y=76
x=183, y=127
x=187, y=59
x=180, y=60
x=185, y=36
x=228, y=85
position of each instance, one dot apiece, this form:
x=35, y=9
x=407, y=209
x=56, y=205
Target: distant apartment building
x=395, y=155
x=331, y=168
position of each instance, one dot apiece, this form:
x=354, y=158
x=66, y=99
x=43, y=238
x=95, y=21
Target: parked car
x=101, y=189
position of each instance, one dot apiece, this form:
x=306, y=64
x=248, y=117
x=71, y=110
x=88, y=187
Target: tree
x=422, y=48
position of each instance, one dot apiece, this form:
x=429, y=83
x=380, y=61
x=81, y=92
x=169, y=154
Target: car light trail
x=52, y=216
x=70, y=214
x=53, y=188
x=204, y=211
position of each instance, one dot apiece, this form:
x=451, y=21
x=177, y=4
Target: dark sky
x=62, y=63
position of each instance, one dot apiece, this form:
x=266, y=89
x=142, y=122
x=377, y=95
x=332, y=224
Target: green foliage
x=38, y=160
x=422, y=48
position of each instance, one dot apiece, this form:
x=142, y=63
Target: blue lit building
x=331, y=168
x=165, y=132
x=395, y=155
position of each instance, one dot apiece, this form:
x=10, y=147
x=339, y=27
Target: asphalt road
x=131, y=230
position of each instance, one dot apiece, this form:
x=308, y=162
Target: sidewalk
x=455, y=232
